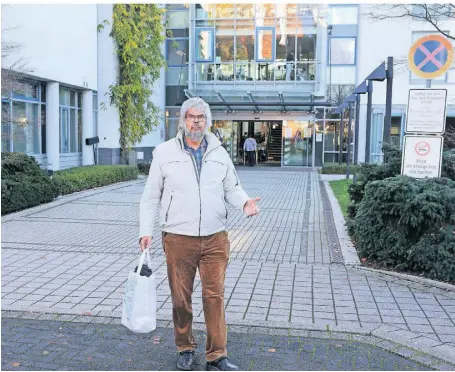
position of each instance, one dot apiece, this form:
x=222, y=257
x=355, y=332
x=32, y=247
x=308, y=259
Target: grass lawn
x=340, y=189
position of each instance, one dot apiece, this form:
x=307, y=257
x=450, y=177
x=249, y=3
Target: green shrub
x=84, y=178
x=400, y=216
x=375, y=172
x=24, y=183
x=144, y=168
x=448, y=164
x=434, y=255
x=335, y=168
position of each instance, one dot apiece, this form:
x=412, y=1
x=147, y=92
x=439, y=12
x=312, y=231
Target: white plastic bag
x=139, y=300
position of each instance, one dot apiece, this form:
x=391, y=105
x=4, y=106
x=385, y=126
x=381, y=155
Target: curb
x=347, y=248
x=410, y=345
x=64, y=199
x=412, y=278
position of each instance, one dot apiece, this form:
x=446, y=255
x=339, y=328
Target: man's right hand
x=146, y=242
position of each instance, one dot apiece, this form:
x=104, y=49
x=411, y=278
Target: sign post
x=429, y=57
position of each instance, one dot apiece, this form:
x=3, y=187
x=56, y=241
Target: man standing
x=191, y=177
x=250, y=146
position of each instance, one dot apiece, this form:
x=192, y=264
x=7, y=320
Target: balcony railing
x=281, y=72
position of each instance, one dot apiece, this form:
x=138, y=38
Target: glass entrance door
x=298, y=143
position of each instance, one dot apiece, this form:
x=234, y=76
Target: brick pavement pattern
x=286, y=264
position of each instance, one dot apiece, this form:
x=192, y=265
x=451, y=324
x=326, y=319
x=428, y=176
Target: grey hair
x=200, y=104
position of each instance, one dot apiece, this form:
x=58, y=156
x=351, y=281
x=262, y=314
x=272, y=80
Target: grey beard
x=194, y=136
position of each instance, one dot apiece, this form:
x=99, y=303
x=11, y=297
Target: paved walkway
x=287, y=270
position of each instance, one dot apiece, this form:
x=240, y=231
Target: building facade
x=271, y=70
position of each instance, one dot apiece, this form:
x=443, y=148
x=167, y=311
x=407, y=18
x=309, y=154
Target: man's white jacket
x=190, y=203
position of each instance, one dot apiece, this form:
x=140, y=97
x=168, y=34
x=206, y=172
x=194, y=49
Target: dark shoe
x=222, y=364
x=186, y=361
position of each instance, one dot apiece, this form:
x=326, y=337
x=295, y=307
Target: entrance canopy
x=256, y=102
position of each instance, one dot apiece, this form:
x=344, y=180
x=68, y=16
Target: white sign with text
x=426, y=111
x=422, y=156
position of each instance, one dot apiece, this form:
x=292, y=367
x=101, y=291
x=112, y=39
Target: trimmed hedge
x=409, y=224
x=88, y=177
x=144, y=168
x=334, y=168
x=24, y=183
x=375, y=172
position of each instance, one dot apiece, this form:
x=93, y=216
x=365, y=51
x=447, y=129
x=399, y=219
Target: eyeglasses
x=193, y=118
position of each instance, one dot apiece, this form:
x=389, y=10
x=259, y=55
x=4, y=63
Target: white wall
x=378, y=40
x=57, y=42
x=108, y=117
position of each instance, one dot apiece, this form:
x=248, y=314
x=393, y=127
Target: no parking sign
x=430, y=56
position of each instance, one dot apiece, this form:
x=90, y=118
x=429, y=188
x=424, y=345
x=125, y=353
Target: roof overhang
x=256, y=102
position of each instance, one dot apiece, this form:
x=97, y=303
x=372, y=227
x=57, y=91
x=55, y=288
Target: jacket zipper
x=169, y=207
x=198, y=177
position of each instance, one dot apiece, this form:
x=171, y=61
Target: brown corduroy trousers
x=184, y=255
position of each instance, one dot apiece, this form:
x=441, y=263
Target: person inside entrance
x=250, y=146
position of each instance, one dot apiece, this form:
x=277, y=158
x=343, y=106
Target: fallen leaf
x=15, y=364
x=271, y=350
x=45, y=352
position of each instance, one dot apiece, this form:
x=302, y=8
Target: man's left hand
x=251, y=208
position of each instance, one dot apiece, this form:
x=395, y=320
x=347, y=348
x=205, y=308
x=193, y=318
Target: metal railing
x=283, y=72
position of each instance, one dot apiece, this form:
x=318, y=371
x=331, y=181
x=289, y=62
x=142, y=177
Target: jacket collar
x=212, y=141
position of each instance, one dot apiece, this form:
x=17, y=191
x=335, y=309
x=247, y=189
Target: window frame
x=169, y=41
x=256, y=49
x=330, y=50
x=76, y=109
x=11, y=98
x=196, y=46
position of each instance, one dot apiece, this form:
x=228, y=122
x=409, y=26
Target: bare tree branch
x=430, y=13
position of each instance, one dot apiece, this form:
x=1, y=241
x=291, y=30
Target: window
x=205, y=11
x=177, y=52
x=23, y=119
x=265, y=44
x=224, y=39
x=244, y=41
x=204, y=44
x=342, y=51
x=6, y=138
x=177, y=76
x=70, y=121
x=177, y=19
x=344, y=15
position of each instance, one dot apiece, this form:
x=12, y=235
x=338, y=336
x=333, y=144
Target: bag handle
x=145, y=253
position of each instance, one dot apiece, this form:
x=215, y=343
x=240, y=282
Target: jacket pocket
x=168, y=207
